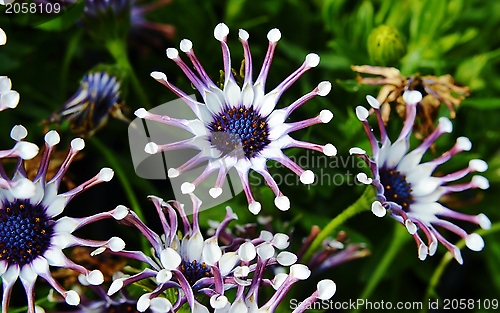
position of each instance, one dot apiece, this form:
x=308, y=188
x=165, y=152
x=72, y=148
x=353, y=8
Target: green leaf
x=66, y=20
x=482, y=103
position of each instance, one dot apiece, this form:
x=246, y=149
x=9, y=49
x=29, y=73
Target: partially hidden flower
x=88, y=110
x=198, y=267
x=406, y=188
x=8, y=98
x=32, y=238
x=435, y=91
x=100, y=302
x=238, y=126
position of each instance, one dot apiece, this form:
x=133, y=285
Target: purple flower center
x=194, y=271
x=25, y=232
x=396, y=188
x=236, y=129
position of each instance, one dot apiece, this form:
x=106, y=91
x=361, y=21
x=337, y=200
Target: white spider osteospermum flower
x=238, y=126
x=407, y=190
x=196, y=267
x=31, y=237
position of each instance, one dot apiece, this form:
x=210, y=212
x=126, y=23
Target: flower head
x=31, y=236
x=238, y=126
x=197, y=267
x=405, y=187
x=8, y=98
x=89, y=108
x=436, y=90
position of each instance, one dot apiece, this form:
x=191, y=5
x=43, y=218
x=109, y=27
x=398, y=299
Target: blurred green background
x=45, y=63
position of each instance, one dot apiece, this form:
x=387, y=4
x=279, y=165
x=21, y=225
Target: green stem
x=436, y=277
x=362, y=204
x=122, y=177
x=399, y=238
x=118, y=50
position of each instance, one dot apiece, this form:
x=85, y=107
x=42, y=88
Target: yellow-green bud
x=385, y=46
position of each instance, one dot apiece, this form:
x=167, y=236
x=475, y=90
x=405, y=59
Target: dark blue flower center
x=25, y=232
x=396, y=188
x=193, y=271
x=236, y=129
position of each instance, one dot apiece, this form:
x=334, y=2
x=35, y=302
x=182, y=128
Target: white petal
x=278, y=280
x=281, y=241
x=27, y=274
x=356, y=150
x=3, y=37
x=474, y=242
x=170, y=259
x=172, y=53
x=300, y=271
x=266, y=235
x=211, y=251
x=26, y=150
x=423, y=251
x=144, y=302
x=218, y=301
x=227, y=262
x=412, y=96
x=95, y=277
x=77, y=144
x=464, y=143
x=307, y=177
x=373, y=102
x=23, y=188
x=115, y=287
x=361, y=113
x=120, y=212
x=274, y=35
x=484, y=221
x=194, y=247
x=478, y=165
x=445, y=124
x=221, y=31
x=10, y=99
x=265, y=251
x=396, y=153
x=282, y=203
x=116, y=244
x=247, y=252
x=52, y=138
x=160, y=304
x=254, y=207
x=378, y=209
x=364, y=179
x=105, y=174
x=480, y=182
x=325, y=116
x=72, y=298
x=158, y=76
x=324, y=88
x=286, y=258
x=329, y=150
x=326, y=289
x=215, y=192
x=411, y=227
x=151, y=148
x=312, y=60
x=163, y=276
x=187, y=188
x=65, y=225
x=186, y=45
